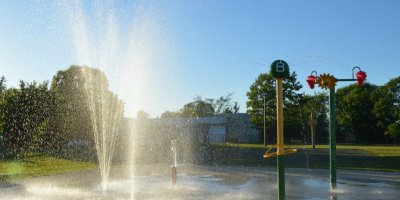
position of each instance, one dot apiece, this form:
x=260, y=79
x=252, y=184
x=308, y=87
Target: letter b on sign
x=279, y=69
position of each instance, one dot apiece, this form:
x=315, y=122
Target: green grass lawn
x=38, y=165
x=365, y=157
x=376, y=150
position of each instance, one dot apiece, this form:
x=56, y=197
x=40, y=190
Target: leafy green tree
x=197, y=108
x=387, y=109
x=170, y=115
x=201, y=107
x=3, y=88
x=27, y=111
x=3, y=85
x=71, y=117
x=142, y=115
x=264, y=87
x=141, y=121
x=316, y=104
x=223, y=105
x=83, y=107
x=355, y=113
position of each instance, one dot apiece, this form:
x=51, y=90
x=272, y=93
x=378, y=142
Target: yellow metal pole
x=279, y=70
x=280, y=151
x=279, y=116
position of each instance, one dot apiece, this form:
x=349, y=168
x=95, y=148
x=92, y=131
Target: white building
x=215, y=129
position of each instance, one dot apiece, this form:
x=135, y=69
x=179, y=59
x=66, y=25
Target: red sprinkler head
x=311, y=81
x=361, y=76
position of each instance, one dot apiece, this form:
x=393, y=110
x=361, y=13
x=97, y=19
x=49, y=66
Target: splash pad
x=200, y=182
x=191, y=182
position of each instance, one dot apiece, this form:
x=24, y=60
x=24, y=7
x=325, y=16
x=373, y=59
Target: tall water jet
x=95, y=45
x=106, y=117
x=124, y=51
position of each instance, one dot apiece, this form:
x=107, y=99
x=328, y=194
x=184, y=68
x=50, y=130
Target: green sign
x=280, y=69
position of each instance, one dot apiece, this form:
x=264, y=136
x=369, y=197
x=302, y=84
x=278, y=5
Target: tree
x=27, y=111
x=387, y=108
x=3, y=88
x=223, y=105
x=84, y=109
x=170, y=115
x=142, y=115
x=264, y=87
x=141, y=122
x=203, y=107
x=70, y=119
x=354, y=113
x=316, y=104
x=3, y=85
x=207, y=107
x=197, y=108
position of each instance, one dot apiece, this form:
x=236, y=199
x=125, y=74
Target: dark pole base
x=173, y=175
x=281, y=178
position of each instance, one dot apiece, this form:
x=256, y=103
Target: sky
x=158, y=55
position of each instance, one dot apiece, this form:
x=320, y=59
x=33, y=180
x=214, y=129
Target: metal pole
x=280, y=151
x=312, y=131
x=265, y=135
x=332, y=136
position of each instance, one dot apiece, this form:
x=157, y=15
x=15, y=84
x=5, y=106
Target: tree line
x=55, y=118
x=366, y=114
x=203, y=107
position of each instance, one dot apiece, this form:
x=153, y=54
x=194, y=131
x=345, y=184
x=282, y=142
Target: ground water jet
x=173, y=166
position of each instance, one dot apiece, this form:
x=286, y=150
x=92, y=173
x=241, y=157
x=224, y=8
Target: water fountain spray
x=173, y=166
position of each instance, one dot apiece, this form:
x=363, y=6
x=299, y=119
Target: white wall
x=217, y=133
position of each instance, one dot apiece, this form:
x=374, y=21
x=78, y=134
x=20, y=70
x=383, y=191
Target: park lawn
x=38, y=165
x=375, y=150
x=365, y=157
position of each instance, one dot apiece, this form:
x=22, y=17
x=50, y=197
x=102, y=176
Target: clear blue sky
x=159, y=54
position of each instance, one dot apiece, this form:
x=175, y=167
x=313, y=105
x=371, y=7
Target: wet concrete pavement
x=202, y=182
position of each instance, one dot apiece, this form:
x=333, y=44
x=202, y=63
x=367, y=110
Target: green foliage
x=223, y=104
x=316, y=104
x=197, y=108
x=387, y=108
x=3, y=88
x=26, y=112
x=78, y=104
x=169, y=115
x=354, y=113
x=393, y=130
x=142, y=115
x=141, y=120
x=264, y=87
x=70, y=119
x=3, y=85
x=205, y=107
x=83, y=106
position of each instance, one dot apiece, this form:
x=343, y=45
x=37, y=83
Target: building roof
x=220, y=119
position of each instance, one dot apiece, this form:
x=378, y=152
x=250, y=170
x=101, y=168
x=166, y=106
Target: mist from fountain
x=123, y=54
x=98, y=41
x=106, y=117
x=173, y=149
